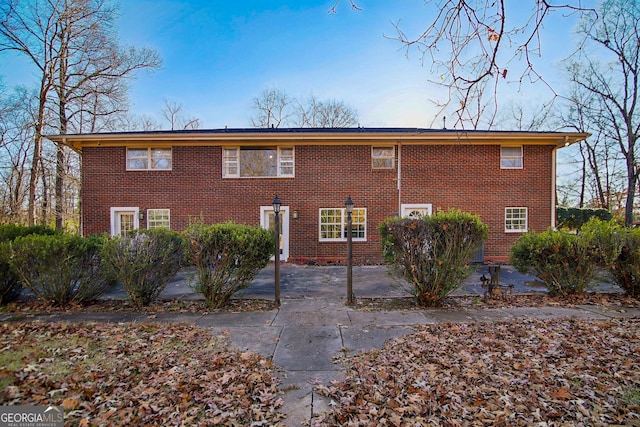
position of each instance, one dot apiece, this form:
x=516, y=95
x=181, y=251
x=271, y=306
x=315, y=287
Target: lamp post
x=276, y=210
x=348, y=207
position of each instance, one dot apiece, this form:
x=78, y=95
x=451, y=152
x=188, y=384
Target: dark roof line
x=398, y=130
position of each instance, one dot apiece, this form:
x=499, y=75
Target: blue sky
x=220, y=54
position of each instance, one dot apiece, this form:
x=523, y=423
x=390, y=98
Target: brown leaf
x=560, y=394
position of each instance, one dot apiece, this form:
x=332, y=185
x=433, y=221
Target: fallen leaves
x=561, y=372
x=136, y=374
x=515, y=300
x=126, y=306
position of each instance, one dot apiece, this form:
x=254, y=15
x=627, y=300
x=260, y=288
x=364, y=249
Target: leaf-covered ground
x=534, y=372
x=136, y=375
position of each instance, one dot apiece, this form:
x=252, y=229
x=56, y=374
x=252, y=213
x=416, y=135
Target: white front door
x=124, y=220
x=268, y=222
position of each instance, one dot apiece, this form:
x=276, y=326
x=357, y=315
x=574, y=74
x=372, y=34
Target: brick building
x=167, y=179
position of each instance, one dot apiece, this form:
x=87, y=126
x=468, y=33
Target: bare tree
x=314, y=113
x=16, y=130
x=607, y=75
x=275, y=108
x=272, y=109
x=473, y=48
x=172, y=113
x=72, y=45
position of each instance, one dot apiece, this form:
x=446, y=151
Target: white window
x=382, y=157
x=333, y=224
x=515, y=220
x=158, y=218
x=258, y=162
x=511, y=157
x=410, y=210
x=149, y=158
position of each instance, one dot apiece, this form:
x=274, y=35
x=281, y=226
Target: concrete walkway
x=314, y=328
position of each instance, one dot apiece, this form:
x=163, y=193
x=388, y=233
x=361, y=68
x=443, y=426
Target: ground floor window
x=158, y=218
x=515, y=220
x=333, y=224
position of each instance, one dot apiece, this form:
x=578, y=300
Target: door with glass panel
x=268, y=222
x=123, y=220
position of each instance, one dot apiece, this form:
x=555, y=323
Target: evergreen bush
x=227, y=257
x=618, y=252
x=59, y=268
x=575, y=218
x=144, y=262
x=432, y=253
x=565, y=262
x=10, y=285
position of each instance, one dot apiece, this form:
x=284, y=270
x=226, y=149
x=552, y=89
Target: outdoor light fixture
x=348, y=207
x=276, y=205
x=276, y=210
x=141, y=215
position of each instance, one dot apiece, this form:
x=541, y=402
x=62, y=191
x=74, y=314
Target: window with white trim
x=333, y=224
x=515, y=220
x=149, y=158
x=258, y=162
x=382, y=157
x=415, y=211
x=158, y=218
x=511, y=157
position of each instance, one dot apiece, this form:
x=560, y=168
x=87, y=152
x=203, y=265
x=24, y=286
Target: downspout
x=399, y=179
x=554, y=178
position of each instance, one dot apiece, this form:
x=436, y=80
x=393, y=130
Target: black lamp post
x=348, y=207
x=276, y=210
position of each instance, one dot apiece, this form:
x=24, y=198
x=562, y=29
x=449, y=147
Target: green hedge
x=618, y=252
x=10, y=284
x=228, y=257
x=433, y=252
x=59, y=269
x=144, y=262
x=565, y=262
x=575, y=218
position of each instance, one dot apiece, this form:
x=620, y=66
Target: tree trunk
x=37, y=152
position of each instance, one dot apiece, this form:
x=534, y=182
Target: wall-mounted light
x=295, y=214
x=141, y=215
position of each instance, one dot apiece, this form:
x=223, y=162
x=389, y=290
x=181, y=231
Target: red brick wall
x=448, y=176
x=469, y=178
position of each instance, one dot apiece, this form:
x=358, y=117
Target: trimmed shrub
x=228, y=257
x=432, y=253
x=144, y=262
x=565, y=262
x=10, y=285
x=575, y=218
x=618, y=252
x=59, y=269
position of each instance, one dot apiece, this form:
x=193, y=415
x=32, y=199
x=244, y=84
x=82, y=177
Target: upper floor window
x=382, y=157
x=149, y=158
x=511, y=157
x=333, y=224
x=515, y=220
x=158, y=218
x=258, y=162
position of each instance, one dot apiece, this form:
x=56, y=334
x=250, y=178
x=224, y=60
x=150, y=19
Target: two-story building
x=167, y=179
